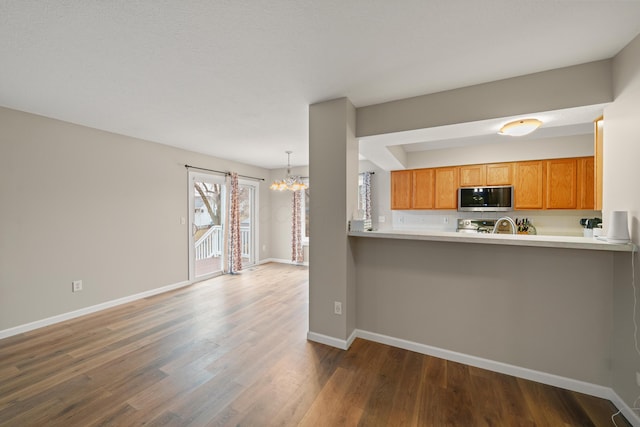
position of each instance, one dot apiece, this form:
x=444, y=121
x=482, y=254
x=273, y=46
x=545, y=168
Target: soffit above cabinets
x=390, y=151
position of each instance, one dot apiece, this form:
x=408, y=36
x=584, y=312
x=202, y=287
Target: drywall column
x=333, y=181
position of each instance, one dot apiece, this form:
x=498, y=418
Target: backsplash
x=558, y=223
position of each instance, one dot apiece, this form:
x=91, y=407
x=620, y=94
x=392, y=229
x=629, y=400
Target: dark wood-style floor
x=232, y=351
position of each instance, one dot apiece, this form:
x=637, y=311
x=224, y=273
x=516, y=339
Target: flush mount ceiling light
x=290, y=182
x=520, y=127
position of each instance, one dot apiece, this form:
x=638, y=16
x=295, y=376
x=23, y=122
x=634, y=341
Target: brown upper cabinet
x=539, y=184
x=401, y=189
x=586, y=181
x=500, y=174
x=528, y=185
x=446, y=188
x=487, y=174
x=423, y=188
x=561, y=184
x=473, y=175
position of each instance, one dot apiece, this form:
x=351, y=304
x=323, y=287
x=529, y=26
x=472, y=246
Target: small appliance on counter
x=591, y=224
x=618, y=231
x=360, y=225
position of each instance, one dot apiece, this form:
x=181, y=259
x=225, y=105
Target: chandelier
x=290, y=182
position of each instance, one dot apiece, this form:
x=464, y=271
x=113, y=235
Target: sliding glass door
x=207, y=218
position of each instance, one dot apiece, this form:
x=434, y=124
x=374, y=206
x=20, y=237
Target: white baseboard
x=626, y=410
x=491, y=365
x=282, y=261
x=516, y=371
x=88, y=310
x=333, y=342
x=352, y=337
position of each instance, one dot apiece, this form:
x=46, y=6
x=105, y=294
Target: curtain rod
x=222, y=172
x=371, y=172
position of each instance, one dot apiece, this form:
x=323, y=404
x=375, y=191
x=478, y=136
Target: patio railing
x=210, y=243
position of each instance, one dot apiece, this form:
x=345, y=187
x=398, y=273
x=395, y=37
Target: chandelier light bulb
x=290, y=182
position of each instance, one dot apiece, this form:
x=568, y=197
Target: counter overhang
x=567, y=242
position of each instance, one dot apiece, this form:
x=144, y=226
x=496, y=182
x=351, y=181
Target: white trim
x=504, y=368
x=282, y=261
x=333, y=342
x=491, y=365
x=88, y=310
x=352, y=338
x=625, y=409
x=255, y=220
x=206, y=277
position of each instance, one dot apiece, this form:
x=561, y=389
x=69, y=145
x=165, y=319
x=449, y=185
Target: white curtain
x=297, y=255
x=233, y=251
x=366, y=196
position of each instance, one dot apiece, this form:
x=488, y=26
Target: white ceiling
x=234, y=78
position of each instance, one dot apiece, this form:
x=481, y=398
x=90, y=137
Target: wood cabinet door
x=561, y=184
x=472, y=175
x=499, y=174
x=528, y=186
x=446, y=188
x=401, y=189
x=423, y=184
x=586, y=183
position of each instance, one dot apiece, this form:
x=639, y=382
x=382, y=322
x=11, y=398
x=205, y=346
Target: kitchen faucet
x=509, y=220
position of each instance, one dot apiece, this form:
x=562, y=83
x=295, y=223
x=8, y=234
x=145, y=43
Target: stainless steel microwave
x=485, y=199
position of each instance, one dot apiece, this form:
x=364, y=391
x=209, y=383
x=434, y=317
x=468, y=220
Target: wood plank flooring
x=232, y=351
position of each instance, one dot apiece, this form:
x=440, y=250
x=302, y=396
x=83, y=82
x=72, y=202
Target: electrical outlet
x=638, y=378
x=381, y=219
x=446, y=220
x=76, y=286
x=337, y=307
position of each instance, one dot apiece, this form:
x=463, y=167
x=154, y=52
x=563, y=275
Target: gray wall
x=621, y=178
x=532, y=149
x=82, y=204
x=584, y=84
x=540, y=308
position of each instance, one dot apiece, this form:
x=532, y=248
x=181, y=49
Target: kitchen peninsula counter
x=567, y=242
x=545, y=306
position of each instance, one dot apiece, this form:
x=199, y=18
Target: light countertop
x=567, y=242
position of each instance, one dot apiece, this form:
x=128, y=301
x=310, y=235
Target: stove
x=475, y=225
x=483, y=226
